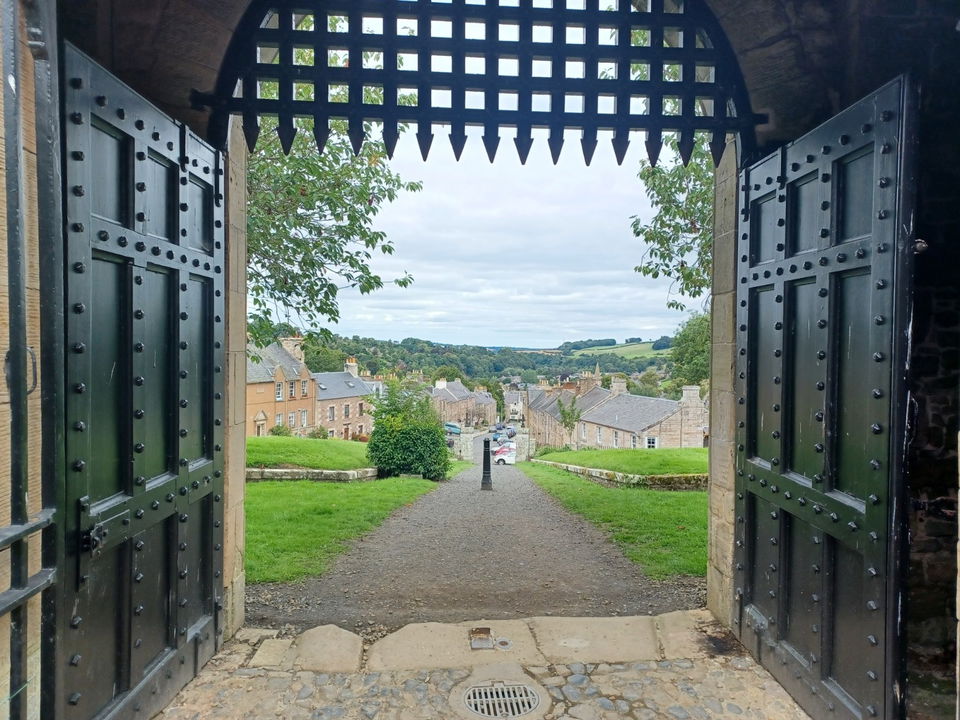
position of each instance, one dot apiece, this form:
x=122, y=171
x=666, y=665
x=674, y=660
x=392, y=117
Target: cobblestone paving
x=728, y=686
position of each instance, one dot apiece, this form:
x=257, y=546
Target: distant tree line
x=569, y=347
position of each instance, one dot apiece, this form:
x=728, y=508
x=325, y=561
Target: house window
x=346, y=411
x=303, y=388
x=303, y=418
x=279, y=391
x=360, y=409
x=331, y=413
x=651, y=443
x=330, y=433
x=278, y=420
x=583, y=431
x=616, y=438
x=359, y=429
x=293, y=388
x=633, y=441
x=599, y=436
x=292, y=419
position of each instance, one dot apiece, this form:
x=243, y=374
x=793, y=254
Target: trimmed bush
x=407, y=436
x=280, y=431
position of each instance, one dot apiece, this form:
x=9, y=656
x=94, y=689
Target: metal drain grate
x=499, y=700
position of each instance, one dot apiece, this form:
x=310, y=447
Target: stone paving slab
x=596, y=640
x=443, y=645
x=327, y=649
x=717, y=680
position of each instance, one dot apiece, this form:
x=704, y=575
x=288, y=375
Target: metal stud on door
x=823, y=305
x=144, y=332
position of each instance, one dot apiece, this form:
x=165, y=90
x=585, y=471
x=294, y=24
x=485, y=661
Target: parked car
x=501, y=445
x=505, y=456
x=499, y=426
x=452, y=428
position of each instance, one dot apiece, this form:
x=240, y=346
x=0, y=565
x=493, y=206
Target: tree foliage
x=407, y=435
x=691, y=351
x=310, y=219
x=569, y=414
x=679, y=238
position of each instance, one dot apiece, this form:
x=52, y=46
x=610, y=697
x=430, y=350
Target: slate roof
x=511, y=397
x=632, y=413
x=336, y=385
x=484, y=398
x=455, y=391
x=271, y=357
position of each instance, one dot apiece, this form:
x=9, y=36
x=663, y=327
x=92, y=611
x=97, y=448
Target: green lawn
x=458, y=466
x=662, y=461
x=631, y=351
x=295, y=528
x=665, y=532
x=329, y=454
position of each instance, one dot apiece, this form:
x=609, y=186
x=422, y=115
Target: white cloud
x=506, y=254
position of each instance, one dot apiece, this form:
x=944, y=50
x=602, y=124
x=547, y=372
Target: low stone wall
x=657, y=482
x=258, y=474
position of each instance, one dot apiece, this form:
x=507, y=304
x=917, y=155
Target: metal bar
x=14, y=533
x=15, y=599
x=15, y=361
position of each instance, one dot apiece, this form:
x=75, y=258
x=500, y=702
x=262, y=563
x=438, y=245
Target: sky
x=508, y=254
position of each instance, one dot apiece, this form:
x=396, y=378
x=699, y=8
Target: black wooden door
x=144, y=378
x=824, y=279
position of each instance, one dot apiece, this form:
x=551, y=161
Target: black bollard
x=485, y=482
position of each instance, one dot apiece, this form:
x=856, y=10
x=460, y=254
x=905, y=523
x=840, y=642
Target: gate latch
x=91, y=540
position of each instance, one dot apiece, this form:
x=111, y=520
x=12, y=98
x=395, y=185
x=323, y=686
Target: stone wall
x=235, y=444
x=722, y=403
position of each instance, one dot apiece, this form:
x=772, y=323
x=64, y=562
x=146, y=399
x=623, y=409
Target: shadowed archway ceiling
x=508, y=67
x=787, y=50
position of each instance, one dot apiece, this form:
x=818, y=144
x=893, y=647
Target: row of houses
x=281, y=390
x=455, y=402
x=614, y=418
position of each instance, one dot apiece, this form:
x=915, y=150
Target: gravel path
x=460, y=553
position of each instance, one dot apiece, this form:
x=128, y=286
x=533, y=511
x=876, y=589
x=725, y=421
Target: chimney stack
x=350, y=366
x=294, y=346
x=618, y=386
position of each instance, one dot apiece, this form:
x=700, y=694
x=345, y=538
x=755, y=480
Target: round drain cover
x=500, y=700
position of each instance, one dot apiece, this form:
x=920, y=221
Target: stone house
x=635, y=421
x=343, y=404
x=615, y=419
x=279, y=389
x=513, y=400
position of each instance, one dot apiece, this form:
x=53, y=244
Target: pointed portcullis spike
x=251, y=131
x=685, y=146
x=458, y=139
x=654, y=144
x=286, y=131
x=491, y=141
x=357, y=136
x=620, y=142
x=390, y=137
x=718, y=143
x=589, y=146
x=556, y=145
x=523, y=147
x=321, y=133
x=424, y=140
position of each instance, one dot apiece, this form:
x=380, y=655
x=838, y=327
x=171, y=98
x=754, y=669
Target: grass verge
x=666, y=461
x=329, y=454
x=665, y=532
x=295, y=528
x=458, y=466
